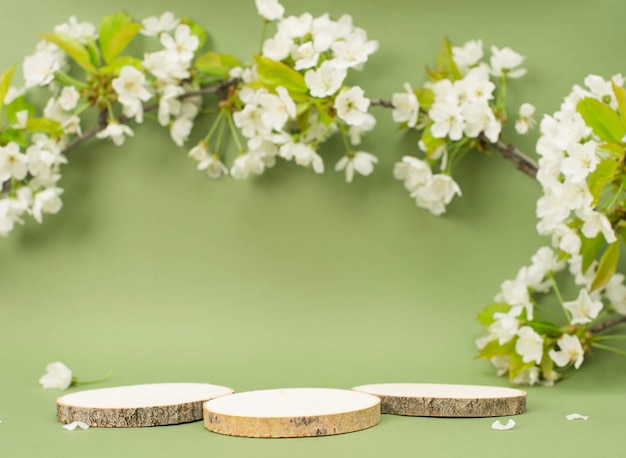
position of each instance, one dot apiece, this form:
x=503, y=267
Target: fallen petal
x=576, y=416
x=72, y=426
x=500, y=427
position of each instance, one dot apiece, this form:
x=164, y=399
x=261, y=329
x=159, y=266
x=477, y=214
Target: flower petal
x=576, y=416
x=500, y=427
x=72, y=426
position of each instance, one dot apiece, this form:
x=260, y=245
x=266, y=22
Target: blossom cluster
x=581, y=173
x=32, y=147
x=459, y=109
x=294, y=97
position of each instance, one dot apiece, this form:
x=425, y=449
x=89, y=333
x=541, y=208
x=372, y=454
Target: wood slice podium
x=292, y=412
x=440, y=400
x=154, y=404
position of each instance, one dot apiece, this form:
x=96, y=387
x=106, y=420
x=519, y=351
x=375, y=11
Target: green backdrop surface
x=293, y=279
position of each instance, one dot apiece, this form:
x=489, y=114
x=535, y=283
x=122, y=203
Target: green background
x=293, y=279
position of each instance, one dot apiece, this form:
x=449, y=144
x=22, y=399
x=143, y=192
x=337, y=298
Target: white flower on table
x=76, y=424
x=583, y=309
x=360, y=162
x=58, y=376
x=570, y=350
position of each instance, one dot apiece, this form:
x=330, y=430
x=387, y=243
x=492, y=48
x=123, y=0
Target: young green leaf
x=109, y=25
x=17, y=105
x=589, y=249
x=607, y=266
x=73, y=48
x=425, y=96
x=213, y=63
x=493, y=348
x=92, y=48
x=604, y=172
x=122, y=61
x=273, y=74
x=5, y=83
x=45, y=125
x=13, y=135
x=620, y=96
x=120, y=39
x=604, y=122
x=445, y=68
x=485, y=317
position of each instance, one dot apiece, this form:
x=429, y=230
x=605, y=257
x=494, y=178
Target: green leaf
x=493, y=348
x=620, y=96
x=431, y=144
x=13, y=135
x=607, y=266
x=120, y=39
x=122, y=61
x=92, y=48
x=517, y=365
x=614, y=149
x=73, y=48
x=604, y=172
x=445, y=68
x=589, y=249
x=425, y=97
x=604, y=122
x=46, y=125
x=485, y=317
x=109, y=25
x=67, y=80
x=18, y=104
x=197, y=30
x=5, y=83
x=213, y=63
x=273, y=74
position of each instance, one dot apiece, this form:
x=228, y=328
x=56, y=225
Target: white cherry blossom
x=405, y=106
x=116, y=132
x=47, y=201
x=505, y=61
x=154, y=25
x=352, y=105
x=13, y=163
x=360, y=162
x=58, y=376
x=184, y=43
x=529, y=345
x=570, y=350
x=326, y=80
x=583, y=309
x=270, y=10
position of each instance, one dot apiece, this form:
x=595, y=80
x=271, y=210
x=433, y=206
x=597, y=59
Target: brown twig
x=513, y=154
x=522, y=162
x=601, y=327
x=101, y=123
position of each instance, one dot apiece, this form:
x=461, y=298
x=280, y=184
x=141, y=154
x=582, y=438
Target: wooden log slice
x=292, y=412
x=138, y=405
x=438, y=400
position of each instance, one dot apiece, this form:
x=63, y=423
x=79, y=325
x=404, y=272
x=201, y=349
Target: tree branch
x=507, y=150
x=513, y=154
x=601, y=327
x=101, y=123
